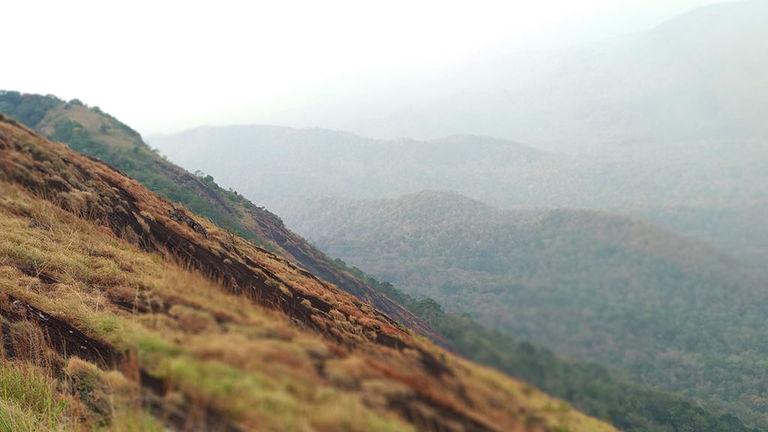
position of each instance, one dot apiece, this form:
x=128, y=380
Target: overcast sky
x=162, y=66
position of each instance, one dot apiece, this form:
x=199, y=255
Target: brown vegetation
x=138, y=314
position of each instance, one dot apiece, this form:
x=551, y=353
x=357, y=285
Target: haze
x=231, y=212
x=165, y=66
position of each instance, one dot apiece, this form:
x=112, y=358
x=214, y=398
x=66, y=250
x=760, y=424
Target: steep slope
x=91, y=131
x=669, y=311
x=132, y=299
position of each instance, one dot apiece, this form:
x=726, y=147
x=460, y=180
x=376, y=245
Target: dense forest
x=664, y=309
x=590, y=387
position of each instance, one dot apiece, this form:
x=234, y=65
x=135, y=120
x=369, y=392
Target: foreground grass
x=29, y=400
x=217, y=355
x=244, y=363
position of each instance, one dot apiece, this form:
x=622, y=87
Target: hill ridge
x=97, y=134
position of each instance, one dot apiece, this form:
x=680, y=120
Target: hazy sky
x=161, y=66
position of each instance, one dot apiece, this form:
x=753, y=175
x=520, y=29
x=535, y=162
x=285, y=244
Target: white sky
x=161, y=66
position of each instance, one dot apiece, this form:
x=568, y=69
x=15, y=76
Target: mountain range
x=706, y=191
x=664, y=125
x=626, y=194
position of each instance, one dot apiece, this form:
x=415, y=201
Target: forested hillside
x=667, y=310
x=590, y=387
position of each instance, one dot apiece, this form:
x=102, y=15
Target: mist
x=260, y=62
x=573, y=194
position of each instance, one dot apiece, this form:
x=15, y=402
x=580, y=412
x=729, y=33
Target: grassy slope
x=94, y=133
x=194, y=320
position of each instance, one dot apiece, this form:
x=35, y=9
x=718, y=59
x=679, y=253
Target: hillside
x=669, y=311
x=126, y=297
x=589, y=387
x=97, y=134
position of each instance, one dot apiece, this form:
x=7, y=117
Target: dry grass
x=29, y=400
x=242, y=361
x=218, y=349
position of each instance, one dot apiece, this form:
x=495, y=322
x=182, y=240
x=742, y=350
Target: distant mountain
x=668, y=310
x=268, y=161
x=739, y=229
x=703, y=189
